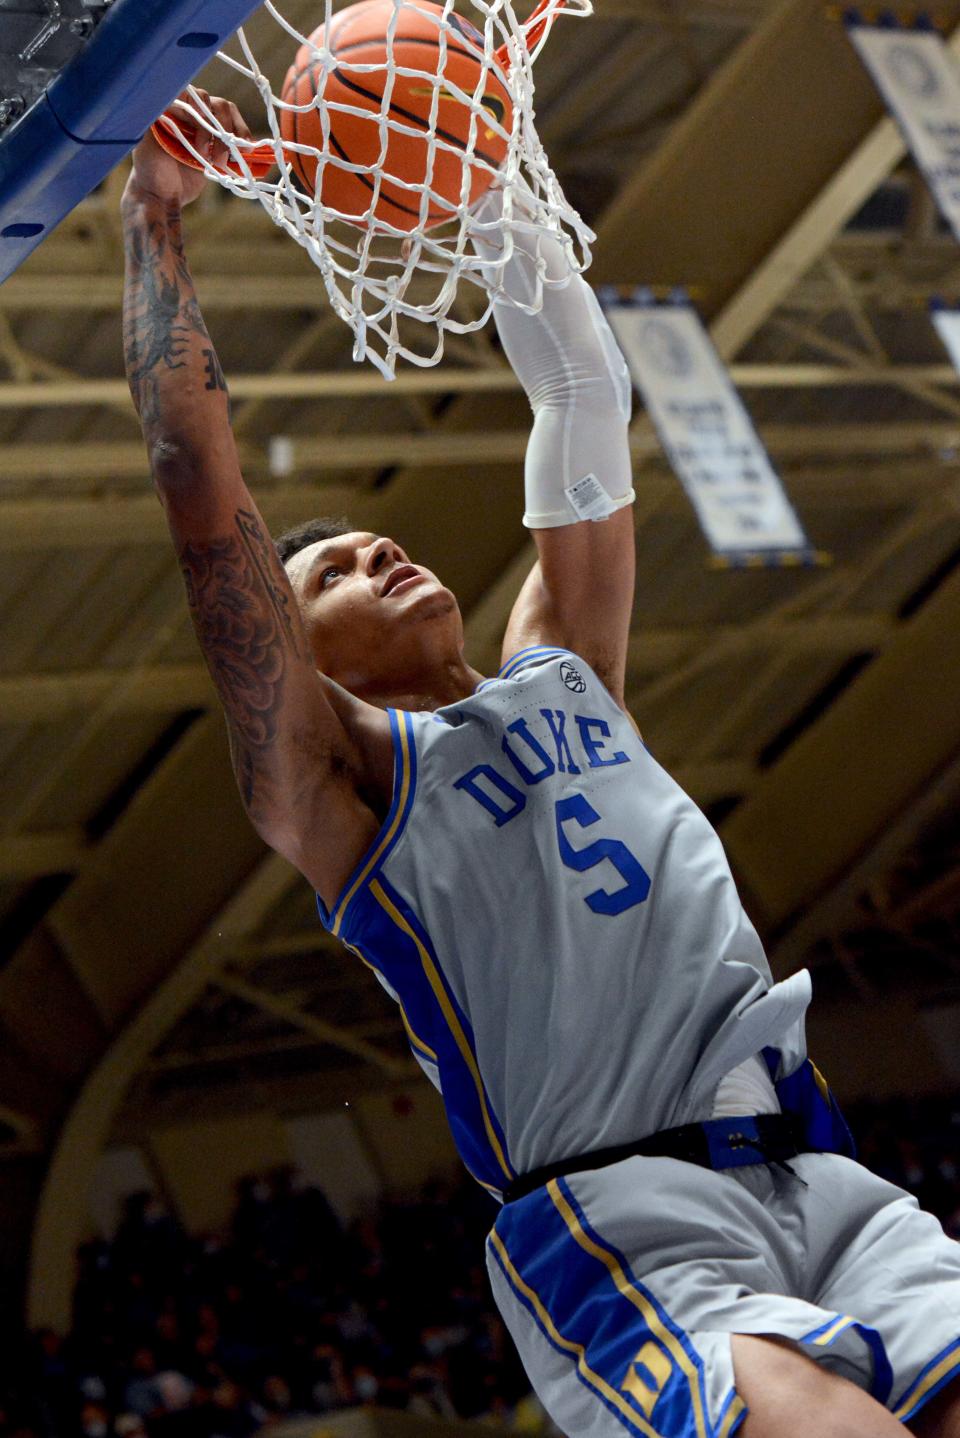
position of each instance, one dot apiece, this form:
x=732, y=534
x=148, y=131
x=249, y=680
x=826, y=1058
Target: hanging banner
x=706, y=432
x=946, y=321
x=919, y=79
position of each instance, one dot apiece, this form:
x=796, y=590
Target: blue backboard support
x=141, y=56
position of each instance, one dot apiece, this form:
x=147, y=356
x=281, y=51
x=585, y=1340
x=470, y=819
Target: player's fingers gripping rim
x=195, y=105
x=212, y=149
x=228, y=118
x=185, y=111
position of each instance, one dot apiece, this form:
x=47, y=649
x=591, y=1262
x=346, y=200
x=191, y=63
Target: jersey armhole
x=534, y=652
x=404, y=788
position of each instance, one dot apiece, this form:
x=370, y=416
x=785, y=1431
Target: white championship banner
x=947, y=324
x=919, y=79
x=706, y=432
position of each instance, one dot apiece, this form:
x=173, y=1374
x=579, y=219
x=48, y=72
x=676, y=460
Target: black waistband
x=718, y=1144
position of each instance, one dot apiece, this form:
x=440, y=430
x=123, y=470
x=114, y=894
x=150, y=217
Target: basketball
x=358, y=36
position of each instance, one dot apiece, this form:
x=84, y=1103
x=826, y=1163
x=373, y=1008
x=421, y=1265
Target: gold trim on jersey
x=416, y=1042
x=589, y=1375
x=630, y=1291
x=833, y=1332
x=943, y=1369
x=428, y=1052
x=734, y=1412
x=452, y=1022
x=405, y=735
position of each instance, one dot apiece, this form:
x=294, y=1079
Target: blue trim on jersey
x=882, y=1384
x=568, y=1348
x=827, y=1334
x=517, y=661
x=594, y=1300
x=525, y=656
x=380, y=921
x=732, y=1413
x=418, y=1047
x=429, y=1066
x=417, y=1044
x=806, y=1095
x=620, y=1261
x=936, y=1375
x=834, y=1326
x=404, y=789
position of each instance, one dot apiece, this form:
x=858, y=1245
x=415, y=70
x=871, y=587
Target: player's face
x=372, y=617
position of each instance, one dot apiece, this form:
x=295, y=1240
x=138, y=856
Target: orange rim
x=260, y=158
x=532, y=31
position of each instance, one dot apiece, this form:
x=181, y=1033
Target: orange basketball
x=358, y=37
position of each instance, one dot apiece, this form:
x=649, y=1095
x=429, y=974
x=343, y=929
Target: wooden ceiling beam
x=315, y=940
x=244, y=1050
x=173, y=688
x=29, y=856
x=708, y=780
x=313, y=1091
x=283, y=1007
x=807, y=634
x=896, y=463
x=838, y=906
x=712, y=15
x=745, y=160
x=940, y=896
x=102, y=460
x=326, y=384
x=28, y=1137
x=163, y=689
x=346, y=384
x=791, y=132
x=834, y=806
x=29, y=292
x=812, y=232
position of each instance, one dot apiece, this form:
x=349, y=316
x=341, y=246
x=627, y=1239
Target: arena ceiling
x=158, y=963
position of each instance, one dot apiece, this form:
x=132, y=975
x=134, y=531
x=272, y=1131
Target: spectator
x=289, y=1315
x=142, y=1393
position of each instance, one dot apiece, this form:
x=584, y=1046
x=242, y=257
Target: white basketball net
x=402, y=290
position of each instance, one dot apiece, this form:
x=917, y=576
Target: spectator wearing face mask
x=129, y=1425
x=428, y=1393
x=365, y=1385
x=142, y=1394
x=330, y=1387
x=94, y=1420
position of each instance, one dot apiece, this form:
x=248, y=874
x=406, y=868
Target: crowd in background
x=916, y=1145
x=288, y=1314
x=292, y=1314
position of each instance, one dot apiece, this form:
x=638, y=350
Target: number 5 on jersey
x=576, y=810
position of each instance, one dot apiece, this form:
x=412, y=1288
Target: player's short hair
x=293, y=540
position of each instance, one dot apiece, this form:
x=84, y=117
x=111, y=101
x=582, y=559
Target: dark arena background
x=228, y=1199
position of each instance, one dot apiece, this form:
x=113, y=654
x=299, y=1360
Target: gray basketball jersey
x=558, y=923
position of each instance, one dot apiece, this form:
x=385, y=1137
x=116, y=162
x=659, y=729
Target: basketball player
x=684, y=1249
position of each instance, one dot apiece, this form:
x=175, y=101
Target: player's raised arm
x=297, y=766
x=578, y=470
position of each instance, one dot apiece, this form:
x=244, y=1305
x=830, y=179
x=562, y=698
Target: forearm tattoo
x=212, y=370
x=242, y=612
x=162, y=324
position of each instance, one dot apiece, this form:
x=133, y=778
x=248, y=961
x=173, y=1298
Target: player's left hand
x=159, y=174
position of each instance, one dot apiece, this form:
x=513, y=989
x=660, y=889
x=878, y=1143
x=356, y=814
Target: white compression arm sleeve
x=576, y=380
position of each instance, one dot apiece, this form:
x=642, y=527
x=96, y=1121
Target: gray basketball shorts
x=622, y=1287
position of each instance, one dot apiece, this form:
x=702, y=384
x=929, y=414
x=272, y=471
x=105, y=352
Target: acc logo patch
x=573, y=678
